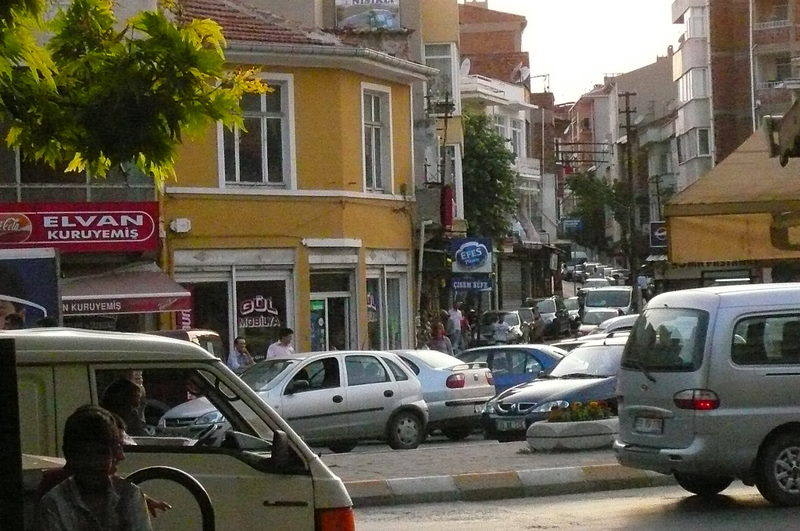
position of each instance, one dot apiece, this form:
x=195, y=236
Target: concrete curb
x=501, y=485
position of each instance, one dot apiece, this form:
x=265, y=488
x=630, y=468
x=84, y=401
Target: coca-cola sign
x=80, y=227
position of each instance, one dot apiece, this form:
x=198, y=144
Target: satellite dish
x=524, y=73
x=466, y=64
x=516, y=74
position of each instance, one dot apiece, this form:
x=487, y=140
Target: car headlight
x=210, y=418
x=162, y=422
x=489, y=408
x=546, y=407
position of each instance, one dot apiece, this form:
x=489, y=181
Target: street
x=740, y=507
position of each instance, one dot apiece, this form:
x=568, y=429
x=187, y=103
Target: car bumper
x=697, y=458
x=509, y=425
x=468, y=410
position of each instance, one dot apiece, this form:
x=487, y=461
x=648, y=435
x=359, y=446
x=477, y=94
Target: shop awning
x=745, y=209
x=123, y=291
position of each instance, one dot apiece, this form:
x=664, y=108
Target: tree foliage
x=490, y=181
x=592, y=198
x=103, y=93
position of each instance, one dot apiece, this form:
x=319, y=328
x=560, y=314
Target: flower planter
x=583, y=435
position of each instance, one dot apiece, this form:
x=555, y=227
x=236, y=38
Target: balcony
x=771, y=24
x=679, y=7
x=484, y=89
x=528, y=167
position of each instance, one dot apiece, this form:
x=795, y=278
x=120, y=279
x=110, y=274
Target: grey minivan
x=709, y=389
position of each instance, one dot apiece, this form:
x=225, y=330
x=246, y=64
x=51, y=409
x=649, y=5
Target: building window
x=783, y=67
x=445, y=86
x=517, y=137
x=693, y=84
x=695, y=22
x=694, y=143
x=376, y=112
x=703, y=142
x=385, y=309
x=500, y=125
x=260, y=154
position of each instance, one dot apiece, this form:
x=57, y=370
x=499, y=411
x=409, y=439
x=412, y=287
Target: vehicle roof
x=730, y=296
x=620, y=319
x=613, y=340
x=38, y=345
x=611, y=288
x=538, y=346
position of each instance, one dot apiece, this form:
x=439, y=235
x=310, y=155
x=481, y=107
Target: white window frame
x=288, y=140
x=693, y=85
x=517, y=136
x=455, y=73
x=387, y=138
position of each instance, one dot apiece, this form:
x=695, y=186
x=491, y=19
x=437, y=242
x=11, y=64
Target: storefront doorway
x=330, y=327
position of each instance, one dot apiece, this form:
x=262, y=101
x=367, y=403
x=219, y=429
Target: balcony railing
x=764, y=85
x=528, y=167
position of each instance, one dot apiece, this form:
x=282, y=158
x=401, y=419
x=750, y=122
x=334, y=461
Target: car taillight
x=456, y=381
x=489, y=378
x=696, y=399
x=338, y=519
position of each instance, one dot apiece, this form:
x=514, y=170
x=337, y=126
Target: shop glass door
x=330, y=323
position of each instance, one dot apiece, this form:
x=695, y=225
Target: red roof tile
x=244, y=23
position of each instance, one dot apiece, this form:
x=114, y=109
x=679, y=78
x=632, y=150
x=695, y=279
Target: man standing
x=454, y=318
x=239, y=358
x=282, y=348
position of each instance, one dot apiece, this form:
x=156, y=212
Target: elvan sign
x=80, y=227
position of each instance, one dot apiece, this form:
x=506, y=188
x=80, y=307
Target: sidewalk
x=484, y=470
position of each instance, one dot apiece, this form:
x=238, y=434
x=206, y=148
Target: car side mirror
x=297, y=386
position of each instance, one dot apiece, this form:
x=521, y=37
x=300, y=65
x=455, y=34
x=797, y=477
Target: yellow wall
x=440, y=21
x=328, y=134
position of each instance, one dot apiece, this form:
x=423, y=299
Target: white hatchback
x=332, y=399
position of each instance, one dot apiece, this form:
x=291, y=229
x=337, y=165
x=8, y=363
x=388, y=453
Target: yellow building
x=304, y=220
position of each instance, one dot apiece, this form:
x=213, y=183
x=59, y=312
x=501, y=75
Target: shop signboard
x=471, y=255
x=80, y=227
x=461, y=282
x=658, y=234
x=368, y=14
x=29, y=287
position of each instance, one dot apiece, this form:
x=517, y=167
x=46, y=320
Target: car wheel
x=702, y=485
x=405, y=431
x=457, y=433
x=342, y=447
x=778, y=470
x=505, y=437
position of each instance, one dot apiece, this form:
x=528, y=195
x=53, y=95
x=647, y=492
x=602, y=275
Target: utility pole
x=633, y=262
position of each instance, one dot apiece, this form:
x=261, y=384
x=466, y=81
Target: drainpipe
x=422, y=225
x=752, y=68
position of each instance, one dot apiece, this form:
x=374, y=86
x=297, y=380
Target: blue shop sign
x=471, y=282
x=472, y=255
x=658, y=234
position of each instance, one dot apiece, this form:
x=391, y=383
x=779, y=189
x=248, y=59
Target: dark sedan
x=588, y=373
x=514, y=364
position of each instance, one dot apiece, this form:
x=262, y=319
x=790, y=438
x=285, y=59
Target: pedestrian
x=239, y=358
x=453, y=328
x=282, y=348
x=93, y=496
x=439, y=341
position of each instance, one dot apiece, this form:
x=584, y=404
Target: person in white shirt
x=239, y=358
x=454, y=318
x=282, y=348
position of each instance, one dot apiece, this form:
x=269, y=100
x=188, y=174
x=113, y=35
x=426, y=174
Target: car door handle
x=338, y=398
x=388, y=393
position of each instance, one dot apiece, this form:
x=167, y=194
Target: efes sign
x=472, y=255
x=80, y=227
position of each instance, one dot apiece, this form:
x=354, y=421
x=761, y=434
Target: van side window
x=767, y=340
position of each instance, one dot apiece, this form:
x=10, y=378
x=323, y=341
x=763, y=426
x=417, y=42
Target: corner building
x=304, y=219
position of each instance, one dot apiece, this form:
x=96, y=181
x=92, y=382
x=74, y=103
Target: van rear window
x=668, y=340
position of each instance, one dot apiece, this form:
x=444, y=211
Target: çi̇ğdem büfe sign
x=80, y=227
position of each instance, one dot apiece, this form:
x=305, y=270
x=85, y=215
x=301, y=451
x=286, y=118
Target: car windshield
x=546, y=306
x=595, y=318
x=571, y=303
x=261, y=374
x=511, y=319
x=596, y=283
x=590, y=360
x=667, y=339
x=608, y=298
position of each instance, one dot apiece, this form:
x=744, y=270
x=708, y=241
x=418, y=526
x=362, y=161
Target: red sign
x=80, y=227
x=105, y=305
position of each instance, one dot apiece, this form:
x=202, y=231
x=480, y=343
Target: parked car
x=501, y=327
x=592, y=318
x=596, y=282
x=614, y=297
x=555, y=316
x=514, y=364
x=588, y=373
x=333, y=399
x=710, y=384
x=571, y=344
x=622, y=322
x=456, y=392
x=574, y=311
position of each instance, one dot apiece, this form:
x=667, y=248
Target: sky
x=577, y=41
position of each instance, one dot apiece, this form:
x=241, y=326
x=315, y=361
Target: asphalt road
x=666, y=508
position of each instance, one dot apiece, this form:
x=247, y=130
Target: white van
x=256, y=470
x=709, y=389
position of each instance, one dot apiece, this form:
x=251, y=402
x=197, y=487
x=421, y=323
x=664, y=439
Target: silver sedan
x=454, y=390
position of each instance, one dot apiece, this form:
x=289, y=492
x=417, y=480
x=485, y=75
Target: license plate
x=648, y=425
x=511, y=425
